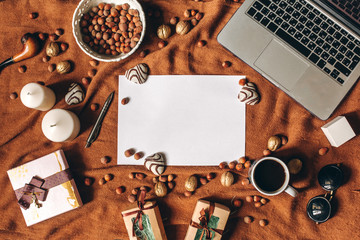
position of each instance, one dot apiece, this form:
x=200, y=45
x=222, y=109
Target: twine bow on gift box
x=38, y=188
x=204, y=221
x=139, y=213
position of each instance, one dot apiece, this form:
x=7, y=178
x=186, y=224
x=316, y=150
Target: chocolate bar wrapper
x=152, y=223
x=59, y=199
x=217, y=221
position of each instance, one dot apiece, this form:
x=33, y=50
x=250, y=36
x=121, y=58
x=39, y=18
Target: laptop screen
x=347, y=11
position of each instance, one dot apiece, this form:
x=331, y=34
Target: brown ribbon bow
x=203, y=224
x=139, y=213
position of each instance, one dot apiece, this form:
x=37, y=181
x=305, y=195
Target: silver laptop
x=309, y=49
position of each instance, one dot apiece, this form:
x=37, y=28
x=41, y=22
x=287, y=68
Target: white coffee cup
x=262, y=183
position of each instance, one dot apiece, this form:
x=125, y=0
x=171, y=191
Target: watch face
x=330, y=177
x=319, y=209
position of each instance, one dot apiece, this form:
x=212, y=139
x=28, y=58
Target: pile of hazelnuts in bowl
x=109, y=31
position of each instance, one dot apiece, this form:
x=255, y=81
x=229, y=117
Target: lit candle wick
x=53, y=125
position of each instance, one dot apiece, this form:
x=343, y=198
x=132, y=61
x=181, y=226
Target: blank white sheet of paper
x=193, y=120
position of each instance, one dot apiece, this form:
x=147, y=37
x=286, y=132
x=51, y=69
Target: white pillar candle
x=60, y=125
x=34, y=95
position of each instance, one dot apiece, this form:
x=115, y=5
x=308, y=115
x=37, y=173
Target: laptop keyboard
x=327, y=45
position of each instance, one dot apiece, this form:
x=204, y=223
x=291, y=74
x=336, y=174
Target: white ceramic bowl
x=84, y=7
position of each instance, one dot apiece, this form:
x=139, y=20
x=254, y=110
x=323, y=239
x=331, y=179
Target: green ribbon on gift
x=207, y=224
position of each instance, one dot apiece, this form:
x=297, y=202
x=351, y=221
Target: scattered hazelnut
x=143, y=53
x=263, y=222
x=257, y=198
x=134, y=191
x=249, y=199
x=245, y=182
x=173, y=20
x=192, y=12
x=171, y=185
x=155, y=179
x=201, y=43
x=274, y=143
x=94, y=106
x=294, y=165
x=45, y=59
x=22, y=69
x=170, y=177
x=194, y=22
x=203, y=181
x=160, y=189
x=131, y=175
x=64, y=46
x=188, y=193
x=131, y=198
x=237, y=203
x=239, y=167
x=108, y=177
x=42, y=36
x=182, y=27
x=242, y=160
x=257, y=204
x=226, y=64
x=144, y=189
x=164, y=31
x=187, y=13
x=222, y=165
x=59, y=31
x=266, y=152
x=247, y=164
x=102, y=181
x=323, y=151
x=138, y=155
x=13, y=95
x=51, y=67
x=210, y=176
x=92, y=73
x=85, y=81
x=232, y=165
x=53, y=37
x=140, y=176
x=105, y=160
x=242, y=82
x=163, y=178
x=33, y=15
x=161, y=44
x=120, y=190
x=263, y=201
x=248, y=219
x=94, y=63
x=199, y=16
x=284, y=140
x=227, y=179
x=129, y=152
x=191, y=183
x=88, y=181
x=124, y=101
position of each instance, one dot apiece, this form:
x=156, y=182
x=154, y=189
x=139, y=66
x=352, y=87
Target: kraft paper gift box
x=153, y=228
x=208, y=218
x=44, y=188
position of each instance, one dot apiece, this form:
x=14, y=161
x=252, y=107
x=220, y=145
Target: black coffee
x=269, y=175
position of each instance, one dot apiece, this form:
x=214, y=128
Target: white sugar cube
x=338, y=131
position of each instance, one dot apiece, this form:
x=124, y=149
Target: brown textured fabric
x=22, y=140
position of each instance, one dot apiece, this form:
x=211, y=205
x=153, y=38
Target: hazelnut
x=45, y=59
x=222, y=165
x=323, y=151
x=226, y=64
x=143, y=53
x=59, y=31
x=248, y=219
x=102, y=181
x=245, y=182
x=170, y=177
x=131, y=175
x=242, y=82
x=160, y=189
x=257, y=204
x=140, y=176
x=284, y=140
x=138, y=155
x=51, y=67
x=124, y=101
x=242, y=160
x=247, y=164
x=194, y=22
x=237, y=203
x=22, y=69
x=263, y=201
x=131, y=198
x=210, y=176
x=161, y=44
x=201, y=43
x=164, y=31
x=155, y=179
x=13, y=95
x=120, y=190
x=171, y=185
x=249, y=199
x=257, y=198
x=274, y=143
x=94, y=62
x=173, y=20
x=203, y=181
x=105, y=160
x=63, y=67
x=64, y=46
x=108, y=177
x=182, y=27
x=53, y=37
x=144, y=189
x=191, y=183
x=134, y=191
x=199, y=16
x=33, y=15
x=42, y=36
x=239, y=166
x=188, y=193
x=129, y=152
x=187, y=13
x=92, y=73
x=85, y=81
x=94, y=106
x=52, y=49
x=163, y=178
x=263, y=222
x=232, y=165
x=88, y=181
x=227, y=179
x=266, y=152
x=294, y=165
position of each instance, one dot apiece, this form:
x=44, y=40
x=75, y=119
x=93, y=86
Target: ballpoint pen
x=96, y=129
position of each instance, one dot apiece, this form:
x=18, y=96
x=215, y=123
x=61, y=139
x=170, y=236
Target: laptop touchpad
x=282, y=65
